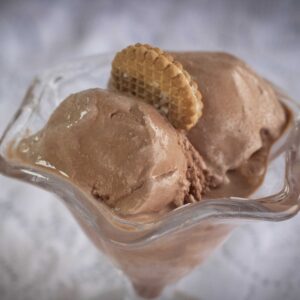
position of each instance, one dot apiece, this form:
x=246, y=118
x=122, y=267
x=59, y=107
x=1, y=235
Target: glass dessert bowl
x=159, y=252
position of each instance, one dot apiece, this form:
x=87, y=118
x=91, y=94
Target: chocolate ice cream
x=124, y=153
x=119, y=150
x=242, y=117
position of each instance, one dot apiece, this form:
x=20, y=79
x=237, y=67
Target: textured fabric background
x=43, y=253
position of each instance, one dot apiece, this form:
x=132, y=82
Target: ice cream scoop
x=119, y=150
x=241, y=115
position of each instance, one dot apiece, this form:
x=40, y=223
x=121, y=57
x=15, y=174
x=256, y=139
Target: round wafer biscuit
x=154, y=76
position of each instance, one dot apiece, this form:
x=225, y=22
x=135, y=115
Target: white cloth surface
x=43, y=253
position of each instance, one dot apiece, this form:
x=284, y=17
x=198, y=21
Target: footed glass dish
x=157, y=253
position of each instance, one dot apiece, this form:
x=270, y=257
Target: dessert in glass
x=158, y=156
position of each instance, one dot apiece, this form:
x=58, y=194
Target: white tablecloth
x=43, y=252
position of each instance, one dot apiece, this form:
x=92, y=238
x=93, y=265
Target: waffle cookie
x=154, y=76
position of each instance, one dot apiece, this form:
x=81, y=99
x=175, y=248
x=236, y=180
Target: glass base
x=160, y=293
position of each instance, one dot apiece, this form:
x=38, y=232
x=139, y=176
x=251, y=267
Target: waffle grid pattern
x=154, y=76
